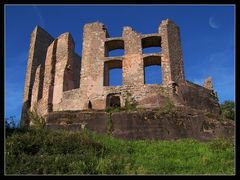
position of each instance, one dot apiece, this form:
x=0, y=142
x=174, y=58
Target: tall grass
x=40, y=151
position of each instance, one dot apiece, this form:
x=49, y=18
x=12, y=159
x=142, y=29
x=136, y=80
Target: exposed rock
x=208, y=83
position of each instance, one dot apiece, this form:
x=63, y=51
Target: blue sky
x=207, y=37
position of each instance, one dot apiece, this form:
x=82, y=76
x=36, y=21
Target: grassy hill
x=63, y=152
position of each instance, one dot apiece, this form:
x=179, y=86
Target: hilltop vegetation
x=228, y=109
x=40, y=151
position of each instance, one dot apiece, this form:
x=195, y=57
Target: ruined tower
x=58, y=79
x=40, y=40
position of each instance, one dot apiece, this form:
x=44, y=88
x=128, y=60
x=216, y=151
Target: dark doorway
x=113, y=100
x=89, y=105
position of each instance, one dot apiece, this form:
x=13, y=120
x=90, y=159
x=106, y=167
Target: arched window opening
x=114, y=47
x=152, y=70
x=112, y=73
x=151, y=44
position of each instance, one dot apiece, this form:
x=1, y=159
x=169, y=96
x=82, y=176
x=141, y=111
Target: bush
x=10, y=123
x=40, y=151
x=36, y=121
x=110, y=124
x=130, y=104
x=228, y=109
x=167, y=109
x=220, y=144
x=110, y=165
x=11, y=126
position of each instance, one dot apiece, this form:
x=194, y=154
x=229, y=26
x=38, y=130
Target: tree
x=228, y=109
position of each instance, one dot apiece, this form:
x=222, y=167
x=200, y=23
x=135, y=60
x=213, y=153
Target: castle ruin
x=58, y=79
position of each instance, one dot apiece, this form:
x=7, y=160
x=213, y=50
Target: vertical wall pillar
x=77, y=70
x=92, y=67
x=64, y=67
x=49, y=76
x=172, y=63
x=133, y=69
x=35, y=90
x=40, y=40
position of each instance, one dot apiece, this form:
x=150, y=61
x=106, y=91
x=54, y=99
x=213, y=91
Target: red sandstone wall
x=64, y=81
x=198, y=97
x=147, y=124
x=172, y=64
x=40, y=40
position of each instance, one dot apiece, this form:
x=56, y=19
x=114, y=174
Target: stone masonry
x=57, y=79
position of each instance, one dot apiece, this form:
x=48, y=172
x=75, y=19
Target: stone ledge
x=145, y=124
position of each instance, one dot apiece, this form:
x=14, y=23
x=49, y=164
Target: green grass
x=63, y=152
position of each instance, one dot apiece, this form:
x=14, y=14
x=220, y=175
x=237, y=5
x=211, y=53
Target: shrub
x=110, y=165
x=10, y=125
x=109, y=124
x=129, y=104
x=167, y=109
x=220, y=144
x=228, y=109
x=36, y=121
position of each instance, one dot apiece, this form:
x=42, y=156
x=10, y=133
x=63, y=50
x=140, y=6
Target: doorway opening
x=113, y=100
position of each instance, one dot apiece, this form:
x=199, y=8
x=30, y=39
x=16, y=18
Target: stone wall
x=77, y=70
x=63, y=68
x=92, y=65
x=65, y=81
x=186, y=123
x=35, y=89
x=132, y=61
x=146, y=96
x=198, y=97
x=49, y=74
x=172, y=52
x=40, y=40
